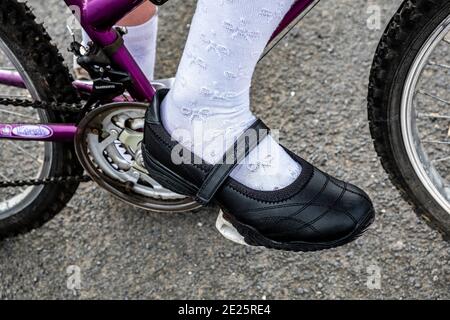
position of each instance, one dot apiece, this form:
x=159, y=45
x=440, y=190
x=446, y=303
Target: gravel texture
x=314, y=88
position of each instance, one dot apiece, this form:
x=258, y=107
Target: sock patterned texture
x=209, y=105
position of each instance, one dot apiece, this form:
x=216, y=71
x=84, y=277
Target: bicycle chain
x=51, y=106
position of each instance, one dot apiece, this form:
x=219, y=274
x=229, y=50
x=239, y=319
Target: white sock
x=141, y=42
x=210, y=99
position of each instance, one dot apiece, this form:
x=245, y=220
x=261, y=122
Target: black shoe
x=315, y=212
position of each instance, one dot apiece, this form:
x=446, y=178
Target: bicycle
x=65, y=127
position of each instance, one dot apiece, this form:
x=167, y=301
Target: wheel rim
x=423, y=113
x=14, y=200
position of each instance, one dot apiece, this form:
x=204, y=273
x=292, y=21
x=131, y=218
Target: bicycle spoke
x=432, y=116
x=17, y=114
x=436, y=142
x=435, y=64
x=440, y=160
x=433, y=97
x=16, y=145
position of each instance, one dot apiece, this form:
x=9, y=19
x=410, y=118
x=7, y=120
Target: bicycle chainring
x=108, y=145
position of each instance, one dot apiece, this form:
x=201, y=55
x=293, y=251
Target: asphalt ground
x=313, y=87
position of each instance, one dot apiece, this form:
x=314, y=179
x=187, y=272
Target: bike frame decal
x=97, y=17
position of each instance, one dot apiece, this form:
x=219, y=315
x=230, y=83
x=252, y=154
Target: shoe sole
x=243, y=234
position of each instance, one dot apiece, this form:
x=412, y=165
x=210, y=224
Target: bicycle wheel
x=25, y=48
x=409, y=107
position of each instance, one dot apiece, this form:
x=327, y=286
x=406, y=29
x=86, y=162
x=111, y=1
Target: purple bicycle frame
x=97, y=17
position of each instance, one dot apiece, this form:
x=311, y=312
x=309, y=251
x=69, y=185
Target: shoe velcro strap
x=248, y=141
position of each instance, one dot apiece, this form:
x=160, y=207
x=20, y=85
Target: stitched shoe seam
x=307, y=205
x=346, y=211
x=303, y=225
x=157, y=135
x=313, y=199
x=317, y=205
x=354, y=192
x=325, y=212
